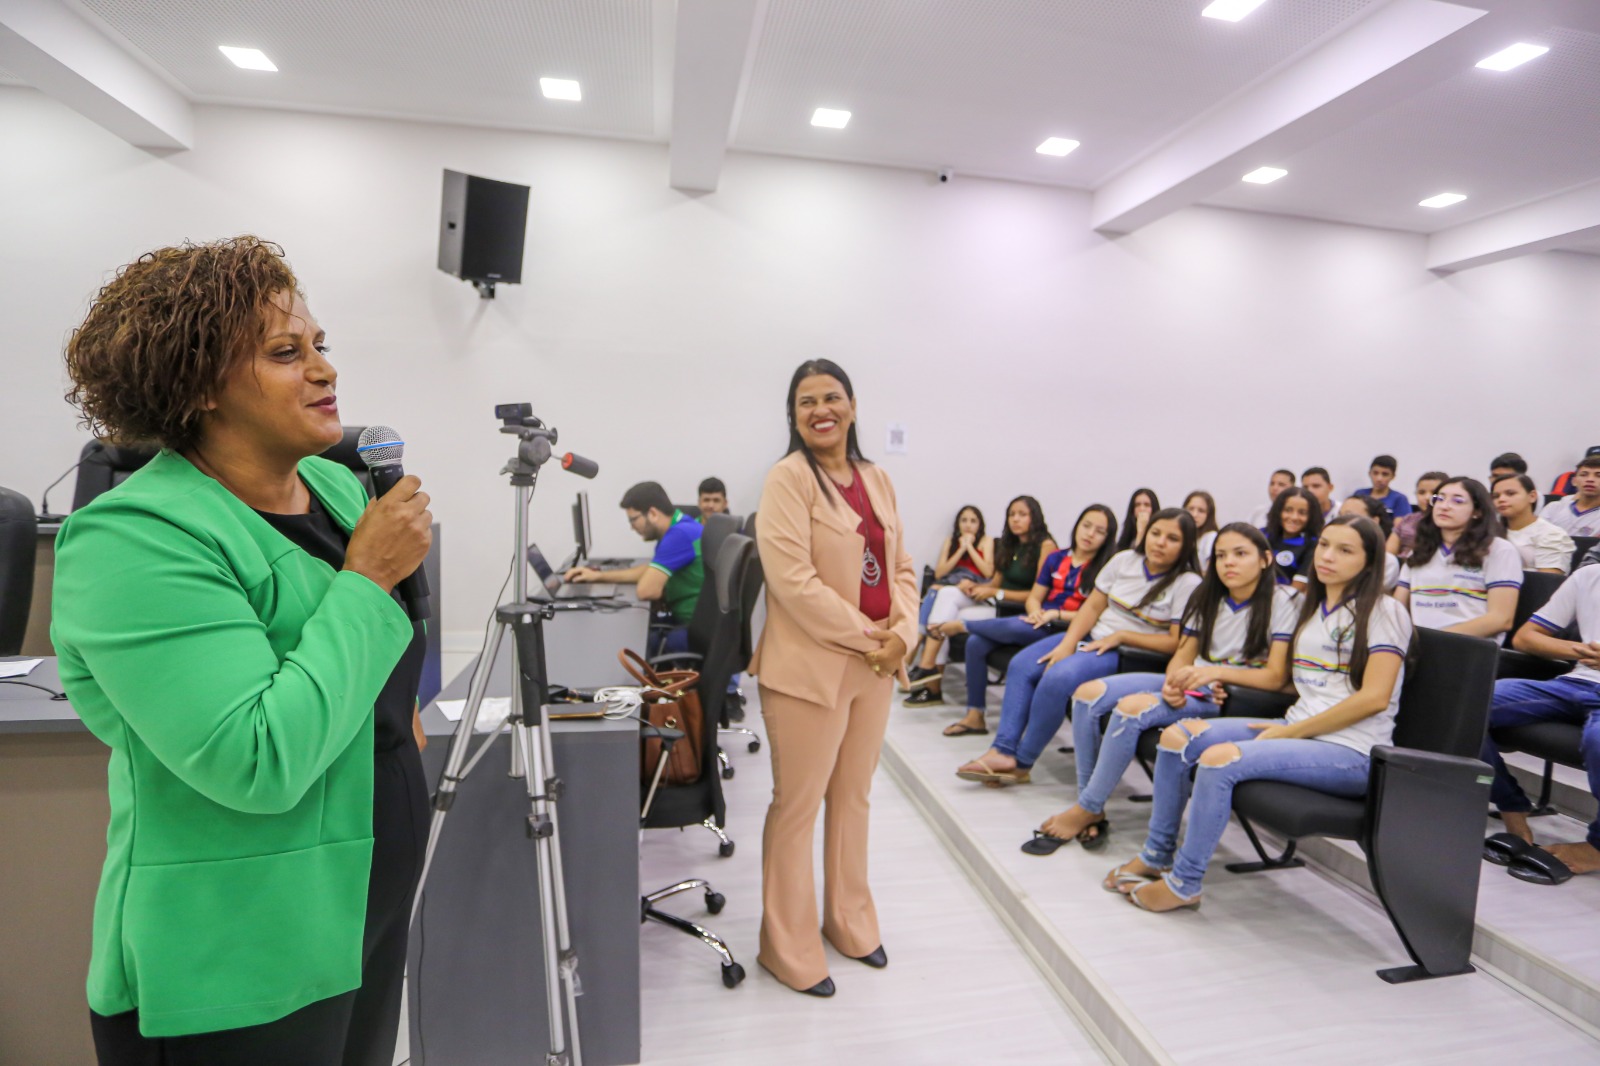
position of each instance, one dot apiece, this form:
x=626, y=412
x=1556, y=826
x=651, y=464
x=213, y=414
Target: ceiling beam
x=716, y=42
x=1366, y=67
x=1553, y=222
x=56, y=50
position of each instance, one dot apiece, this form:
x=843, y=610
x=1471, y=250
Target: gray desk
x=477, y=983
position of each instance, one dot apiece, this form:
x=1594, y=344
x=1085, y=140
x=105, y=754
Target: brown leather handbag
x=672, y=701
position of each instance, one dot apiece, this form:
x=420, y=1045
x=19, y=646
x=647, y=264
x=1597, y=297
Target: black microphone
x=44, y=501
x=381, y=448
x=577, y=464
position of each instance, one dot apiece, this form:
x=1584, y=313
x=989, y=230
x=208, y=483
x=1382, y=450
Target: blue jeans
x=1102, y=761
x=927, y=605
x=1035, y=702
x=984, y=635
x=1520, y=702
x=1319, y=764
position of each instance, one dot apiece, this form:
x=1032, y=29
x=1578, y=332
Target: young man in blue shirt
x=1381, y=474
x=674, y=574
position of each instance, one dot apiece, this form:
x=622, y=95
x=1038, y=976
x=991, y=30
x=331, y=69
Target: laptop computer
x=552, y=586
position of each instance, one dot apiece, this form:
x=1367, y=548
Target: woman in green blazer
x=226, y=623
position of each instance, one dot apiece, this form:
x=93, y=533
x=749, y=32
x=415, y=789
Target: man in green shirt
x=675, y=572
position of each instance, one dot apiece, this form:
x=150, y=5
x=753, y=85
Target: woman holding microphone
x=841, y=612
x=226, y=623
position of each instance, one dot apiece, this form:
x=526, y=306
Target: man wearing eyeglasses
x=675, y=572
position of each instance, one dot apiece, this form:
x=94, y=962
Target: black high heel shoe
x=822, y=989
x=877, y=958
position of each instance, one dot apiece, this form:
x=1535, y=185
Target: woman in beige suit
x=841, y=612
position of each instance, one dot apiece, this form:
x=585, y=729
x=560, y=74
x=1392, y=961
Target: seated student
x=713, y=496
x=1236, y=631
x=1202, y=507
x=1564, y=484
x=1293, y=525
x=1280, y=480
x=1137, y=601
x=1141, y=505
x=1367, y=507
x=1405, y=529
x=965, y=563
x=1573, y=697
x=1016, y=557
x=1349, y=649
x=1315, y=480
x=1381, y=474
x=673, y=575
x=1543, y=545
x=1065, y=580
x=1463, y=576
x=1579, y=515
x=1506, y=464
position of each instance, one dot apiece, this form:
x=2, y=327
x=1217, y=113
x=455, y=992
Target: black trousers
x=357, y=1028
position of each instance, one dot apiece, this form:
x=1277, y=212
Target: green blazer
x=233, y=676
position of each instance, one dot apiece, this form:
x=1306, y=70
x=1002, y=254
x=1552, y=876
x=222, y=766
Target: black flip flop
x=1094, y=837
x=1043, y=843
x=1538, y=867
x=965, y=730
x=1502, y=849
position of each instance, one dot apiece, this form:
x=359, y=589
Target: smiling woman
x=841, y=611
x=226, y=624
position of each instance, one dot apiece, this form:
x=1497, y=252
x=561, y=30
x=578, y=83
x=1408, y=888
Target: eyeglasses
x=1460, y=501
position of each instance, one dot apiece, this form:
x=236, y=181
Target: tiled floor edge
x=1108, y=1021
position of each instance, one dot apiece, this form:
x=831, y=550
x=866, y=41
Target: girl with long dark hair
x=966, y=561
x=1064, y=581
x=1016, y=556
x=1236, y=631
x=1543, y=545
x=1463, y=575
x=1202, y=507
x=1293, y=525
x=1349, y=650
x=1141, y=505
x=1367, y=507
x=1137, y=601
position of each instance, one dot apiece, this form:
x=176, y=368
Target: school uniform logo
x=1284, y=558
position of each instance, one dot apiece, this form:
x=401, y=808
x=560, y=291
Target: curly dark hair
x=163, y=334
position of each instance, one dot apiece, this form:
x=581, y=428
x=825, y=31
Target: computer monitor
x=582, y=532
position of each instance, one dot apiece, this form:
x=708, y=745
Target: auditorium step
x=1279, y=963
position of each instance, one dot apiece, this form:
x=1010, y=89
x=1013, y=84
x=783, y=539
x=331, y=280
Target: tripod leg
x=552, y=917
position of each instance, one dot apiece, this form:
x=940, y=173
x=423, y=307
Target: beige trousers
x=820, y=753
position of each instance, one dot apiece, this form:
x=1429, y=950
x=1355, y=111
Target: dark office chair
x=1421, y=822
x=345, y=453
x=734, y=582
x=1554, y=742
x=1536, y=591
x=19, y=539
x=1582, y=547
x=103, y=466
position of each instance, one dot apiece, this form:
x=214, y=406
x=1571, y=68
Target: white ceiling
x=973, y=85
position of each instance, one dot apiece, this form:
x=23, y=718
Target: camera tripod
x=530, y=739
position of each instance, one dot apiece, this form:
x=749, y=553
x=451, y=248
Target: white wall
x=658, y=330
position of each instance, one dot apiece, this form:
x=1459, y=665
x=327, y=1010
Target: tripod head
x=535, y=440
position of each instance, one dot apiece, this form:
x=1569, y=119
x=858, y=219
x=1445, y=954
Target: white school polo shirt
x=1232, y=626
x=1565, y=514
x=1322, y=668
x=1543, y=545
x=1578, y=599
x=1125, y=580
x=1443, y=593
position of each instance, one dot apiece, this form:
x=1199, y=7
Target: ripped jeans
x=1102, y=760
x=1319, y=764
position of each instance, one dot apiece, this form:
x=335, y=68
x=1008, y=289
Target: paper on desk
x=20, y=668
x=491, y=716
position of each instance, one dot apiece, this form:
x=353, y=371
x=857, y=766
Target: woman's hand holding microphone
x=393, y=536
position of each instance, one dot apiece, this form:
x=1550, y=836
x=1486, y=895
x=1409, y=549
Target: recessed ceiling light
x=1057, y=146
x=1230, y=10
x=1514, y=56
x=830, y=118
x=560, y=89
x=1265, y=175
x=247, y=58
x=1444, y=199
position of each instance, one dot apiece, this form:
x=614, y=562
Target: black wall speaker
x=482, y=226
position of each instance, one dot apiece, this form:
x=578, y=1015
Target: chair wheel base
x=1257, y=867
x=725, y=849
x=755, y=746
x=732, y=974
x=727, y=773
x=715, y=901
x=1400, y=975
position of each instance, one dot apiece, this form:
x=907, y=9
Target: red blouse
x=876, y=601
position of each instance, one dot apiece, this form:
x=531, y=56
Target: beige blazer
x=811, y=554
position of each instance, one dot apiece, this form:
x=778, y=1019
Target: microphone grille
x=380, y=446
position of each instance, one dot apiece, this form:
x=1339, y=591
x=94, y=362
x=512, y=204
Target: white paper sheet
x=491, y=716
x=20, y=668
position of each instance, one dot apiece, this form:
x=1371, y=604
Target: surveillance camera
x=946, y=175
